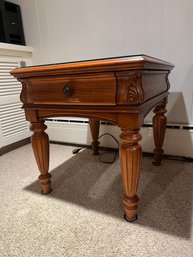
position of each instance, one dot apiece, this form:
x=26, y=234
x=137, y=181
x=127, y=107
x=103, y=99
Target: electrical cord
x=101, y=155
x=77, y=150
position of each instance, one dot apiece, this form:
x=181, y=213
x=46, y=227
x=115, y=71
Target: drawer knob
x=68, y=90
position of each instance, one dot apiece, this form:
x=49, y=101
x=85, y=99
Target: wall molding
x=15, y=50
x=11, y=147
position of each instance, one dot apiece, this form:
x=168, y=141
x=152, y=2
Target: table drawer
x=79, y=90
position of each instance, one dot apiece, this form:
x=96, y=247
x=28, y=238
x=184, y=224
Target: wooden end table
x=120, y=90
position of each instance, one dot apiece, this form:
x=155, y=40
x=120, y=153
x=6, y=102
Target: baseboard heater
x=178, y=140
x=146, y=125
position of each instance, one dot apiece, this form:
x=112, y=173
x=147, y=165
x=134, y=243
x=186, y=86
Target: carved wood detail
x=130, y=90
x=135, y=93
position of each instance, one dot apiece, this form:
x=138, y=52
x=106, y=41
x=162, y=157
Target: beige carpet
x=83, y=216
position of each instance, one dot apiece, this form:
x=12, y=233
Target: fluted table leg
x=40, y=144
x=94, y=128
x=130, y=160
x=159, y=128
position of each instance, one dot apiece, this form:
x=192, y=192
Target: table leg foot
x=130, y=206
x=47, y=193
x=45, y=182
x=132, y=219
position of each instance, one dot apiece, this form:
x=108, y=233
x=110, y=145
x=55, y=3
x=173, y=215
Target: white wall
x=64, y=30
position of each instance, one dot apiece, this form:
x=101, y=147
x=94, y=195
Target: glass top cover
x=137, y=56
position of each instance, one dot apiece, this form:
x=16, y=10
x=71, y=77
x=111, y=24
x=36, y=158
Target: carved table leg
x=130, y=160
x=40, y=144
x=94, y=128
x=159, y=128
